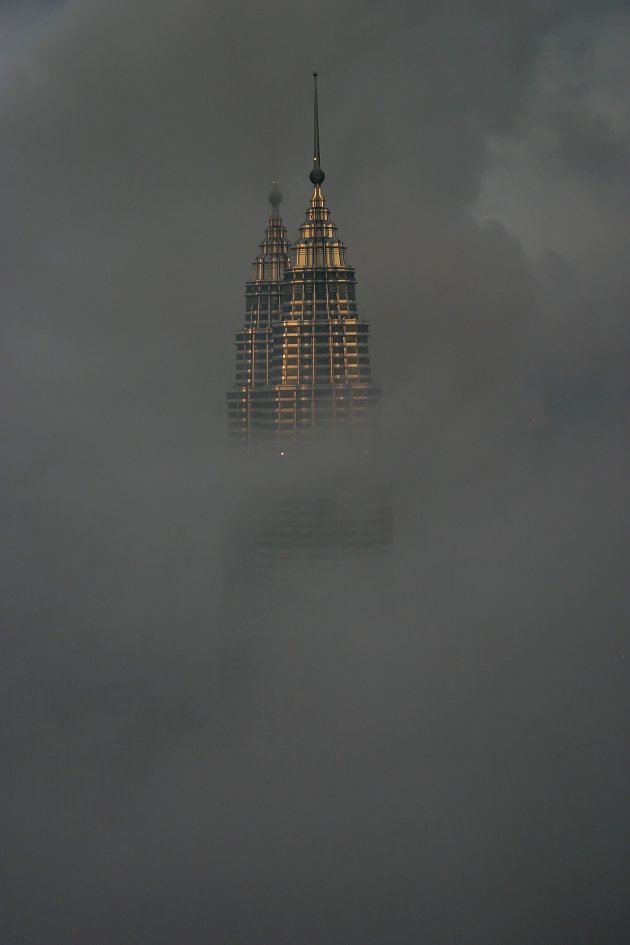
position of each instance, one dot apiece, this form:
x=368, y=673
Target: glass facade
x=302, y=359
x=303, y=378
x=304, y=397
x=247, y=414
x=302, y=431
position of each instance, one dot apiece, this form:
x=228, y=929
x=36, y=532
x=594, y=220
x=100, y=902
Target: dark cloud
x=445, y=760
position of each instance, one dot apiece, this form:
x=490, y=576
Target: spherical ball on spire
x=275, y=197
x=317, y=176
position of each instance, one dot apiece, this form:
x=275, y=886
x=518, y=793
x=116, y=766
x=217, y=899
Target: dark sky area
x=451, y=763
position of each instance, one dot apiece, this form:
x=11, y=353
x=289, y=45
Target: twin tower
x=303, y=385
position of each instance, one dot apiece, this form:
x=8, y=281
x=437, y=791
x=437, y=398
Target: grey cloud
x=447, y=759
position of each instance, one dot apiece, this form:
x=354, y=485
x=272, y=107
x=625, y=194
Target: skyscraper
x=304, y=398
x=304, y=450
x=250, y=402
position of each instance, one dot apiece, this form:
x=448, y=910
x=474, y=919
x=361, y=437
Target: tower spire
x=317, y=175
x=275, y=199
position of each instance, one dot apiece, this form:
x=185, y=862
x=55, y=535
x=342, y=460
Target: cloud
x=436, y=753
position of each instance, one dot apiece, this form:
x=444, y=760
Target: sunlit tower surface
x=302, y=413
x=249, y=420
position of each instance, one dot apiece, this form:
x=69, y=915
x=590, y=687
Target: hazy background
x=452, y=766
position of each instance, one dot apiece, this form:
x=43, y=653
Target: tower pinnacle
x=275, y=199
x=317, y=175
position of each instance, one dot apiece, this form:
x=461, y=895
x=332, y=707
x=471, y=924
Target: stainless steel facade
x=303, y=388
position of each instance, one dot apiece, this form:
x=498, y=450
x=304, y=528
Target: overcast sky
x=451, y=765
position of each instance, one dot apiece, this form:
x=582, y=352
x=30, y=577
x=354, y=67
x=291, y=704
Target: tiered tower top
x=318, y=246
x=273, y=257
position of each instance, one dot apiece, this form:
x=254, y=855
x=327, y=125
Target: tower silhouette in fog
x=302, y=412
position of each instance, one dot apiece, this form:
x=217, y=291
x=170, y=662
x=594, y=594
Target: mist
x=434, y=747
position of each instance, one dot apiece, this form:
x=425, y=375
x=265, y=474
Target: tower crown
x=303, y=385
x=318, y=248
x=273, y=258
x=303, y=351
x=263, y=306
